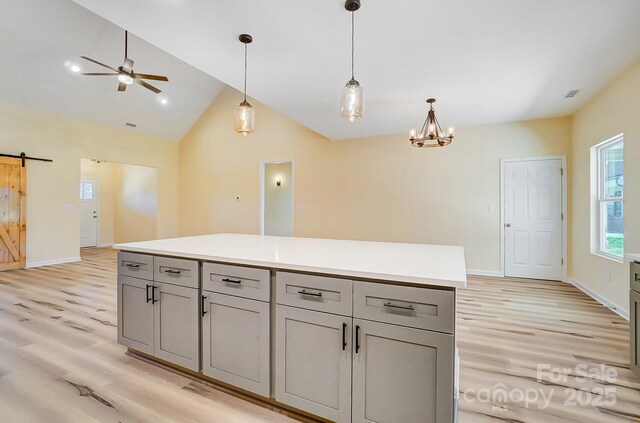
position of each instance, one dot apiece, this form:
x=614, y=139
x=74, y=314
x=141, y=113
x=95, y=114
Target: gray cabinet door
x=176, y=319
x=135, y=314
x=313, y=362
x=235, y=342
x=402, y=374
x=635, y=332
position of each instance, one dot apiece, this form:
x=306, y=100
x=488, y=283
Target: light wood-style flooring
x=59, y=360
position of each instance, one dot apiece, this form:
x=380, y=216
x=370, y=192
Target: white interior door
x=533, y=218
x=89, y=212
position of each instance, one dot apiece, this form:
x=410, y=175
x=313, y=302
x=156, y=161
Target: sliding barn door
x=13, y=219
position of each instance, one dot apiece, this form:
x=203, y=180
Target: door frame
x=263, y=165
x=565, y=215
x=97, y=197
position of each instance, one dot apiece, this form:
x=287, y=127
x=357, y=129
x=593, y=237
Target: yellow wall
x=136, y=203
x=377, y=188
x=53, y=233
x=128, y=201
x=614, y=110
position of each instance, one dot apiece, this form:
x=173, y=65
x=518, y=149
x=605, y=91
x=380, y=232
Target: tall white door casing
x=313, y=362
x=533, y=219
x=89, y=203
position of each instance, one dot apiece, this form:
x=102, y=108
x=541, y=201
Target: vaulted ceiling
x=485, y=61
x=41, y=39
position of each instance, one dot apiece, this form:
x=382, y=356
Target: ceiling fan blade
x=149, y=76
x=122, y=87
x=98, y=63
x=128, y=65
x=147, y=86
x=99, y=74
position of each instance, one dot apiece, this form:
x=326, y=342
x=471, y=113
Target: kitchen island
x=348, y=331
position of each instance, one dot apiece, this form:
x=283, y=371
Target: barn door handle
x=153, y=294
x=148, y=299
x=357, y=338
x=202, y=298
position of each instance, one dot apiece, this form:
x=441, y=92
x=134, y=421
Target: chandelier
x=431, y=134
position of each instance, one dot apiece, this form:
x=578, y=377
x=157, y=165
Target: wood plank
x=59, y=358
x=8, y=242
x=23, y=217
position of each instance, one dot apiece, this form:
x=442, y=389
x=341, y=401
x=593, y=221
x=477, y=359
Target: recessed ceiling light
x=571, y=94
x=75, y=68
x=164, y=101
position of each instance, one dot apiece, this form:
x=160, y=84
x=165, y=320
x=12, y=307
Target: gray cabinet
x=401, y=374
x=635, y=332
x=135, y=314
x=235, y=341
x=313, y=362
x=176, y=327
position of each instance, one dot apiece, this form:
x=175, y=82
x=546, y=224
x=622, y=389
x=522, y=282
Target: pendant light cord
x=352, y=43
x=245, y=72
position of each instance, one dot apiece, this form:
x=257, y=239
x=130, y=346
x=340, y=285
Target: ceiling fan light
x=245, y=119
x=125, y=78
x=352, y=102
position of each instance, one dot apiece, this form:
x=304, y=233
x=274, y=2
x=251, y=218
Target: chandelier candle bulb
x=412, y=134
x=450, y=132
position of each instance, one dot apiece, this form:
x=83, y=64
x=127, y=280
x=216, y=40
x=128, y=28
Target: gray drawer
x=246, y=282
x=635, y=276
x=135, y=265
x=176, y=271
x=420, y=308
x=321, y=293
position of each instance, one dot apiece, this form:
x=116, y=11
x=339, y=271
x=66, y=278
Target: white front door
x=88, y=212
x=533, y=218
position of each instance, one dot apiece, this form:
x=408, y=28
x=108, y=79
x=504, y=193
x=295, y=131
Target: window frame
x=602, y=200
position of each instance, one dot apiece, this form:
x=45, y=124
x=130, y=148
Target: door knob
x=508, y=225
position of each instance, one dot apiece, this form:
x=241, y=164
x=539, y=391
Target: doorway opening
x=276, y=198
x=118, y=203
x=533, y=217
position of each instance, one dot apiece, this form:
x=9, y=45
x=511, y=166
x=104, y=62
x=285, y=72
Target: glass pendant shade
x=352, y=102
x=245, y=119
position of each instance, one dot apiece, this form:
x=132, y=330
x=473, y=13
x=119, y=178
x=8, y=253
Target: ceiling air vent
x=571, y=94
x=132, y=125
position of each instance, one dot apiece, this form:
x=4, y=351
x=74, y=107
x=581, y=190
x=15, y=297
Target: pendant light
x=245, y=114
x=431, y=135
x=352, y=101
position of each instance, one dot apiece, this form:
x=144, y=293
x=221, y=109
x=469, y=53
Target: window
x=86, y=191
x=610, y=198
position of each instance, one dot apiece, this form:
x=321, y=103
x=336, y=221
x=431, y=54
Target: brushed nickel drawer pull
x=231, y=281
x=408, y=308
x=312, y=294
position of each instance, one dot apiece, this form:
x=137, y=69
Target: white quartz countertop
x=419, y=264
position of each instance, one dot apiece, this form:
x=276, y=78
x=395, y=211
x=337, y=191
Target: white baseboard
x=52, y=262
x=492, y=273
x=105, y=244
x=621, y=311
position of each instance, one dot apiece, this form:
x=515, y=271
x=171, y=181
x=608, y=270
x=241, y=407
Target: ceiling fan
x=126, y=75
